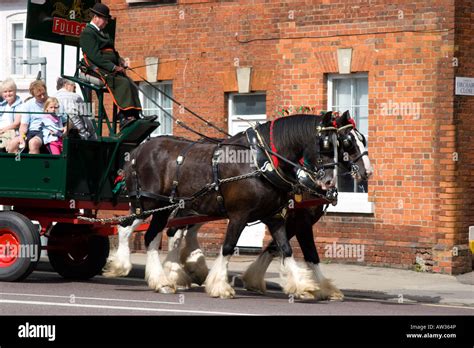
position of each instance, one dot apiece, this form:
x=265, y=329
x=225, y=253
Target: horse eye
x=326, y=143
x=347, y=143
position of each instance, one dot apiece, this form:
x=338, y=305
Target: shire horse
x=152, y=179
x=353, y=156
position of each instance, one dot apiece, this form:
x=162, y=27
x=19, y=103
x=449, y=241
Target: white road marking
x=407, y=302
x=101, y=277
x=445, y=305
x=76, y=305
x=90, y=298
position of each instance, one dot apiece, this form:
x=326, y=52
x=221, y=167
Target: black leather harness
x=137, y=193
x=264, y=163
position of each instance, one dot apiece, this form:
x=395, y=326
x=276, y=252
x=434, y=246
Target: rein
x=208, y=123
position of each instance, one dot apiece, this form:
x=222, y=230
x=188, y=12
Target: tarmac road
x=46, y=293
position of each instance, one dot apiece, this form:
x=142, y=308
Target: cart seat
x=91, y=79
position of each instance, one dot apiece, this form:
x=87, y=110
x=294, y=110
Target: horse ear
x=327, y=119
x=346, y=116
x=343, y=119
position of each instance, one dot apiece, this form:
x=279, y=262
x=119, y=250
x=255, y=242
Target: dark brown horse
x=299, y=223
x=354, y=157
x=152, y=180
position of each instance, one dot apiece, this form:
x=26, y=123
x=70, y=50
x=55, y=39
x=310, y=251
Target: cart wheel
x=76, y=252
x=20, y=246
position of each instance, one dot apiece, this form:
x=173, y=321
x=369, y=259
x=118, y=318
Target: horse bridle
x=306, y=179
x=326, y=140
x=354, y=167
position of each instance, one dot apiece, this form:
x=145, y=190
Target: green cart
x=44, y=195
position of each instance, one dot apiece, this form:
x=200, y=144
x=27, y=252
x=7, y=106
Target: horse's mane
x=290, y=131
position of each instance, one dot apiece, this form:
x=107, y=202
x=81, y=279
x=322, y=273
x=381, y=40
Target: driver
x=101, y=57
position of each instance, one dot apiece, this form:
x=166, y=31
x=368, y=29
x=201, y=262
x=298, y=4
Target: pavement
x=363, y=281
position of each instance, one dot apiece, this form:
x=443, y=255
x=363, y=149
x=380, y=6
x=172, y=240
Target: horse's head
x=353, y=152
x=322, y=155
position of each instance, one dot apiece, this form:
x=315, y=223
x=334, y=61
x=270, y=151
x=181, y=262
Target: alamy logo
x=79, y=108
x=345, y=251
x=229, y=155
x=401, y=109
x=37, y=331
x=8, y=250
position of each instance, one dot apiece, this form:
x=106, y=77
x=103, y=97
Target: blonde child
x=52, y=127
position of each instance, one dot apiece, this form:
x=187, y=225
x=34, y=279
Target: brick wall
x=421, y=196
x=463, y=121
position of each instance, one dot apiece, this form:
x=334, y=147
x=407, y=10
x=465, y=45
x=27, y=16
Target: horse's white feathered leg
x=216, y=283
x=172, y=267
x=154, y=272
x=328, y=290
x=119, y=264
x=298, y=281
x=193, y=258
x=254, y=276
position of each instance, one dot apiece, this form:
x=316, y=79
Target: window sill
x=357, y=203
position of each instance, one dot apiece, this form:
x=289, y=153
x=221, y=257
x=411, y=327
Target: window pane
x=363, y=186
x=167, y=103
x=361, y=92
x=345, y=183
x=360, y=114
x=17, y=31
x=342, y=94
x=149, y=107
x=17, y=49
x=251, y=104
x=17, y=56
x=33, y=52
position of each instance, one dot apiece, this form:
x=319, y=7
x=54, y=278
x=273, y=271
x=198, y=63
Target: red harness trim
x=272, y=145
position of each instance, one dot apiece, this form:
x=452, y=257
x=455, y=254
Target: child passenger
x=52, y=127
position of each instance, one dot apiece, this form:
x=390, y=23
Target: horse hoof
x=254, y=286
x=228, y=294
x=167, y=290
x=257, y=291
x=336, y=296
x=306, y=296
x=223, y=291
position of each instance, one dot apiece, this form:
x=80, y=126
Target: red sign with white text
x=63, y=26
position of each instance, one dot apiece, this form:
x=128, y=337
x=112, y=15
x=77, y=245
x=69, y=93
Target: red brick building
x=392, y=63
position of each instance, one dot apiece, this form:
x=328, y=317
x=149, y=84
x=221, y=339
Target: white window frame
x=18, y=18
x=249, y=118
x=349, y=202
x=159, y=130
